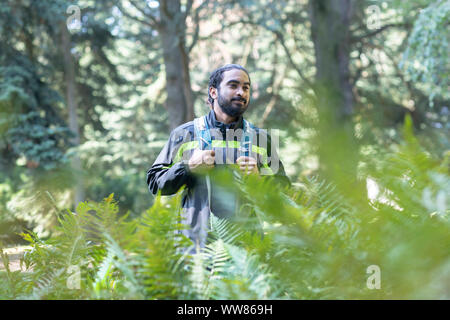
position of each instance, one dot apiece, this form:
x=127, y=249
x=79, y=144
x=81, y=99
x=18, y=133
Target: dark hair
x=216, y=77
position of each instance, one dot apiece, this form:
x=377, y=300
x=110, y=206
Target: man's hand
x=202, y=159
x=247, y=164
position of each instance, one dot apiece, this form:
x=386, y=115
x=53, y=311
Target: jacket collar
x=214, y=123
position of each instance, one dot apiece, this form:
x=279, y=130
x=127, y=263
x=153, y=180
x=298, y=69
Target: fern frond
x=198, y=277
x=224, y=229
x=243, y=277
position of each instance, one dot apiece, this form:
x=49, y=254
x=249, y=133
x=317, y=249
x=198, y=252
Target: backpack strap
x=202, y=132
x=204, y=136
x=246, y=139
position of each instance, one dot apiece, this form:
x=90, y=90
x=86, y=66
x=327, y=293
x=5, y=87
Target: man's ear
x=213, y=92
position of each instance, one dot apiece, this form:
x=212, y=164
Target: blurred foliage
x=426, y=58
x=325, y=240
x=30, y=126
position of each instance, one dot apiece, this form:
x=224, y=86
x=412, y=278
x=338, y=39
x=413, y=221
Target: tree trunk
x=179, y=103
x=69, y=73
x=338, y=152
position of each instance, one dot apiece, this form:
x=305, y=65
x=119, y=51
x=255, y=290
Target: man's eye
x=246, y=88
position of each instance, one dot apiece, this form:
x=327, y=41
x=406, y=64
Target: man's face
x=233, y=94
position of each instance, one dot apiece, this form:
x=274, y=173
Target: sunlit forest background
x=90, y=90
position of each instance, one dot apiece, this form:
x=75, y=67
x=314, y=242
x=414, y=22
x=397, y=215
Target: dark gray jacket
x=170, y=172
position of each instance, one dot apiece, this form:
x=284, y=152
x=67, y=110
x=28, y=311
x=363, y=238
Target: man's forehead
x=235, y=75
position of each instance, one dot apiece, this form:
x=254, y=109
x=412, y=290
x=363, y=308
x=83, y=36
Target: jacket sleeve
x=274, y=164
x=166, y=176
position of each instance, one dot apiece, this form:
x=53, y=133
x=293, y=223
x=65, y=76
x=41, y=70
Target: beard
x=231, y=109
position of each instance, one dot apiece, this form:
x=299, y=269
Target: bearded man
x=219, y=139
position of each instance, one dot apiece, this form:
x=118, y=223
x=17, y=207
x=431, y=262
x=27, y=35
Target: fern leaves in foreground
x=225, y=270
x=307, y=242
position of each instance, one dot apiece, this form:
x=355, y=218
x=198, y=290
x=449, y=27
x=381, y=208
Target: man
x=216, y=140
